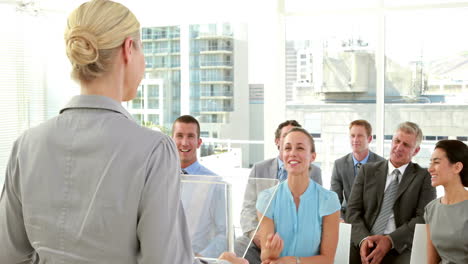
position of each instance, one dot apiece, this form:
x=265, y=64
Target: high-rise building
x=197, y=69
x=211, y=72
x=291, y=69
x=158, y=99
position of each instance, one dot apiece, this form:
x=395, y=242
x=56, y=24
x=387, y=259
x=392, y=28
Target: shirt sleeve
x=428, y=212
x=15, y=246
x=329, y=203
x=162, y=229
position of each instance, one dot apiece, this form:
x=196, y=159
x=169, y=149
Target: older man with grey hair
x=388, y=200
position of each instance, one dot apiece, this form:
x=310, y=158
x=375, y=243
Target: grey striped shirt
x=92, y=186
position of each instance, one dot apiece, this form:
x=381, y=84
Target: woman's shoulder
x=276, y=188
x=267, y=192
x=322, y=192
x=433, y=204
x=430, y=208
x=327, y=200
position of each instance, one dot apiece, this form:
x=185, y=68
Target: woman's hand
x=231, y=257
x=273, y=245
x=282, y=260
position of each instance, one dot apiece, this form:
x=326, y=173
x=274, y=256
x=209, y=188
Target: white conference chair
x=207, y=205
x=344, y=243
x=419, y=251
x=254, y=187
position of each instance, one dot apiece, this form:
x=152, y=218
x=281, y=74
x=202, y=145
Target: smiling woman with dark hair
x=447, y=217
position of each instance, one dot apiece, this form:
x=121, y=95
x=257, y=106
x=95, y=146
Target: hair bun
x=82, y=46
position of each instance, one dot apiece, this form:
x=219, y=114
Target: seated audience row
x=384, y=202
x=92, y=186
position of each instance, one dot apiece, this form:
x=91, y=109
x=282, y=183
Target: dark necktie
x=387, y=205
x=356, y=170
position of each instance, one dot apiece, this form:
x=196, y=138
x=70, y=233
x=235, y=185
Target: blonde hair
x=94, y=31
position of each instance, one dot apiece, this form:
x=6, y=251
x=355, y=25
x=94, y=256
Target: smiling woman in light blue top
x=304, y=215
x=301, y=230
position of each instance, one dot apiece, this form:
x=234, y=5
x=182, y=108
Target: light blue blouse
x=301, y=230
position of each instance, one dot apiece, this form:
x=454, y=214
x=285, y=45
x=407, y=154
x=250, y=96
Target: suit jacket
x=267, y=169
x=343, y=177
x=414, y=193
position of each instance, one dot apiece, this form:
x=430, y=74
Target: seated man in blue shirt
x=347, y=167
x=204, y=203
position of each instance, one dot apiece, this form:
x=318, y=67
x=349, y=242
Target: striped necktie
x=387, y=205
x=356, y=169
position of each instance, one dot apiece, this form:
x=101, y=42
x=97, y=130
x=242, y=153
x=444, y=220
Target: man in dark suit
x=387, y=201
x=267, y=169
x=345, y=168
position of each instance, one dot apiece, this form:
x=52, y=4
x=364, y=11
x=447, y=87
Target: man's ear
x=200, y=141
x=127, y=49
x=277, y=143
x=416, y=151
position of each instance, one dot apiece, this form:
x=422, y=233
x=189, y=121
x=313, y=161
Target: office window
x=138, y=118
x=330, y=56
x=341, y=86
x=34, y=75
x=425, y=80
x=153, y=119
x=305, y=5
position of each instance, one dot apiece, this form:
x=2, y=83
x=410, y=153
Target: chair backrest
x=419, y=251
x=344, y=243
x=207, y=205
x=254, y=187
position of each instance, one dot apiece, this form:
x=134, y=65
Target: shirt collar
x=280, y=163
x=193, y=168
x=308, y=193
x=96, y=102
x=402, y=169
x=364, y=161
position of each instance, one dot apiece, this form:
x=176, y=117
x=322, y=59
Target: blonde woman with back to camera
x=447, y=217
x=91, y=185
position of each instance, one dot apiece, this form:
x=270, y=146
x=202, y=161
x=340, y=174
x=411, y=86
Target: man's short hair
x=293, y=123
x=411, y=128
x=187, y=119
x=364, y=123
